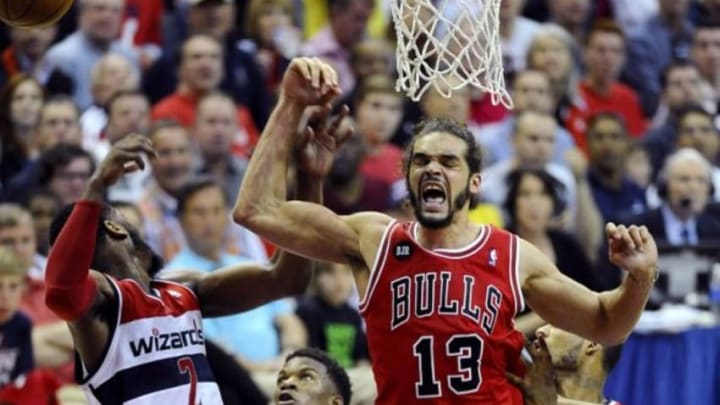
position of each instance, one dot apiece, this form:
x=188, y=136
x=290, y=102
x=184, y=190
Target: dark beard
x=433, y=223
x=152, y=261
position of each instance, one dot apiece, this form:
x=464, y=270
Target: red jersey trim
x=142, y=309
x=461, y=253
x=514, y=275
x=182, y=286
x=378, y=264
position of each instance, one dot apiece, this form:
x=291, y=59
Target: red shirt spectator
x=143, y=19
x=620, y=99
x=384, y=165
x=39, y=387
x=182, y=108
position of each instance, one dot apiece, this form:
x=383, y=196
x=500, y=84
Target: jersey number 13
x=467, y=349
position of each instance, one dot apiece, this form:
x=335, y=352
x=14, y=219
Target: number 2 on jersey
x=466, y=348
x=186, y=366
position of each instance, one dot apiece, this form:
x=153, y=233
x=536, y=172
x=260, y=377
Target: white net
x=449, y=44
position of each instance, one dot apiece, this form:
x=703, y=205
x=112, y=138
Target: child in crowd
x=19, y=384
x=333, y=325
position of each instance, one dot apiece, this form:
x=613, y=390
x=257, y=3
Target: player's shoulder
x=369, y=224
x=368, y=219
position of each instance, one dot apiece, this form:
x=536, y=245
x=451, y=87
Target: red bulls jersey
x=440, y=323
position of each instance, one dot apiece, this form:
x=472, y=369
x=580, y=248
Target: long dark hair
x=551, y=186
x=10, y=142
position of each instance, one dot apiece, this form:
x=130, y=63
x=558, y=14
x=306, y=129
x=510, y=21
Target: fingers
x=516, y=381
x=130, y=167
x=330, y=76
x=334, y=128
x=316, y=71
x=635, y=235
x=131, y=161
x=632, y=237
x=136, y=143
x=302, y=66
x=306, y=136
x=645, y=234
x=619, y=234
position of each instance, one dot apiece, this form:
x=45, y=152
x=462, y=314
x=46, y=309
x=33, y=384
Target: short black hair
x=611, y=356
x=692, y=108
x=337, y=374
x=42, y=192
x=122, y=94
x=335, y=5
x=180, y=51
x=60, y=99
x=605, y=26
x=607, y=115
x=163, y=124
x=194, y=186
x=551, y=186
x=706, y=23
x=677, y=63
x=446, y=125
x=56, y=157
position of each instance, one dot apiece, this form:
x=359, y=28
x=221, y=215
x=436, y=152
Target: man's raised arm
x=72, y=289
x=242, y=287
x=303, y=228
x=607, y=317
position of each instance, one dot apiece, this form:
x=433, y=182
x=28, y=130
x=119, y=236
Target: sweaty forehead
x=439, y=143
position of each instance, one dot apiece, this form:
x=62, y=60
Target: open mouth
x=285, y=399
x=433, y=195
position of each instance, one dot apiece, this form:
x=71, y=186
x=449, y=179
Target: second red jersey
x=440, y=323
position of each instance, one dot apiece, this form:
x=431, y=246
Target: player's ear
x=475, y=181
x=336, y=400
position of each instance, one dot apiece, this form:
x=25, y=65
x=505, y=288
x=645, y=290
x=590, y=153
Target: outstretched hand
x=125, y=156
x=539, y=386
x=319, y=139
x=633, y=249
x=310, y=81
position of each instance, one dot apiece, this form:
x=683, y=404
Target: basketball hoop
x=449, y=44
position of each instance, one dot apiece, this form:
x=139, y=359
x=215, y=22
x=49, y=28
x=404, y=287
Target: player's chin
x=433, y=220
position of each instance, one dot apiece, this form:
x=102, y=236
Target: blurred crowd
x=614, y=119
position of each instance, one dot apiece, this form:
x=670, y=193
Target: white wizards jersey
x=156, y=354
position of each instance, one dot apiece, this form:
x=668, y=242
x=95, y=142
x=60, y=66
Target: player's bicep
x=314, y=231
x=556, y=298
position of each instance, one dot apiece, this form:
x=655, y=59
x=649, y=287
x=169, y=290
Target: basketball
x=33, y=13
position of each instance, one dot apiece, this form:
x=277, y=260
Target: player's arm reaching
x=243, y=287
x=74, y=292
x=304, y=228
x=607, y=317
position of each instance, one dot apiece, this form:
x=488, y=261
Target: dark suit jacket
x=708, y=224
x=708, y=230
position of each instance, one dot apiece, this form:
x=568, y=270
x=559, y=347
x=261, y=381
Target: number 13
x=467, y=349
